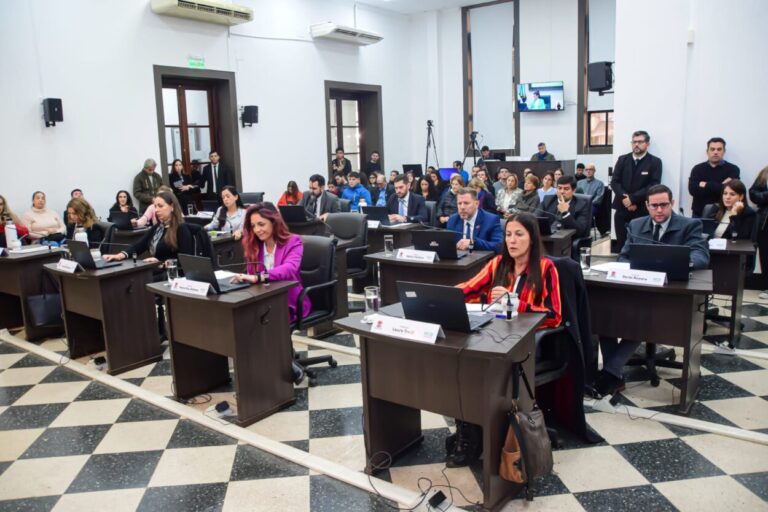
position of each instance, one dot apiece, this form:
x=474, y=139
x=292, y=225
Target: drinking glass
x=172, y=270
x=190, y=209
x=585, y=254
x=372, y=301
x=389, y=245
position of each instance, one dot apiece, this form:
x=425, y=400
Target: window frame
x=589, y=128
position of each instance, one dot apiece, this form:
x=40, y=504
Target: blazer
x=145, y=187
x=487, y=230
x=417, y=208
x=634, y=182
x=680, y=231
x=185, y=240
x=744, y=223
x=224, y=178
x=329, y=203
x=287, y=268
x=579, y=214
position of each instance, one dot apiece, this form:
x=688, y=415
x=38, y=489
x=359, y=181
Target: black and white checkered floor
x=67, y=442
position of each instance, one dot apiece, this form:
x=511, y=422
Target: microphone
x=498, y=299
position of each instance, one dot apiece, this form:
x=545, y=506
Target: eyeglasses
x=658, y=206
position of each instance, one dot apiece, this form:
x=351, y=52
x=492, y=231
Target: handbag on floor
x=527, y=450
x=45, y=309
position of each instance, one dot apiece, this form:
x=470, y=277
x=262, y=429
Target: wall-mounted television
x=540, y=97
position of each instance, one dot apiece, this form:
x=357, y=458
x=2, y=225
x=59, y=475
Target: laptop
x=441, y=242
x=293, y=213
x=545, y=225
x=378, y=213
x=438, y=304
x=198, y=268
x=672, y=259
x=122, y=220
x=81, y=253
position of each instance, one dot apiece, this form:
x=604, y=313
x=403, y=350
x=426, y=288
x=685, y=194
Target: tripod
x=473, y=147
x=430, y=142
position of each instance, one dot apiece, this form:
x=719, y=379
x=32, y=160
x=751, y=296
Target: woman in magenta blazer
x=277, y=253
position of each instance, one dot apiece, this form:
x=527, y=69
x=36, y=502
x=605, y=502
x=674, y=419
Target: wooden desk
x=465, y=376
x=447, y=272
x=729, y=270
x=668, y=315
x=559, y=243
x=20, y=277
x=402, y=238
x=111, y=310
x=228, y=253
x=251, y=327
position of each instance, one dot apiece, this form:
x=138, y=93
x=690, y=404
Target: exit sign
x=196, y=62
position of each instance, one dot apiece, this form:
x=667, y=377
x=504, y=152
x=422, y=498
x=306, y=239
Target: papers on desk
x=718, y=243
x=29, y=249
x=611, y=265
x=203, y=215
x=224, y=274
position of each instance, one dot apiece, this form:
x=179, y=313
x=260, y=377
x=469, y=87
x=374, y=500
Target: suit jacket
x=417, y=208
x=329, y=203
x=145, y=187
x=579, y=214
x=743, y=224
x=680, y=231
x=634, y=182
x=487, y=231
x=225, y=177
x=287, y=268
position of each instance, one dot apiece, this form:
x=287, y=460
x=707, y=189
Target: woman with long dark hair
x=229, y=217
x=440, y=184
x=123, y=203
x=292, y=195
x=426, y=189
x=275, y=253
x=758, y=193
x=734, y=217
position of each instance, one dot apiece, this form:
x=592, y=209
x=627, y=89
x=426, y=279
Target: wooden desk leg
x=692, y=358
x=735, y=330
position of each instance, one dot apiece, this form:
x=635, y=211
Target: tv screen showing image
x=540, y=97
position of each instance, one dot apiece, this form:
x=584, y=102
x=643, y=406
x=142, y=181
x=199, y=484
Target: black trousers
x=762, y=245
x=621, y=218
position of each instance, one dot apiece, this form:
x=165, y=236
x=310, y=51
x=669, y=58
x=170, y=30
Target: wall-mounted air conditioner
x=337, y=32
x=209, y=11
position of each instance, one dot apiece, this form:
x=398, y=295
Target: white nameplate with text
x=374, y=224
x=414, y=255
x=406, y=329
x=68, y=266
x=718, y=243
x=643, y=277
x=191, y=287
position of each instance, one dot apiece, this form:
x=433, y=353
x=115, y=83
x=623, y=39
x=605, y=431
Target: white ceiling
x=414, y=6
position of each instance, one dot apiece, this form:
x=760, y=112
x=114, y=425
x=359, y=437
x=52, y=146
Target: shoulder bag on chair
x=527, y=451
x=45, y=309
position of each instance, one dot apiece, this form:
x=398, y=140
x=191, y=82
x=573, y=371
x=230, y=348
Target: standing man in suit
x=146, y=183
x=403, y=206
x=216, y=176
x=633, y=175
x=666, y=227
x=317, y=201
x=708, y=178
x=474, y=226
x=572, y=212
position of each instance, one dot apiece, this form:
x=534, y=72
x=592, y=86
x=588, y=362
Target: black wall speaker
x=250, y=115
x=52, y=111
x=599, y=76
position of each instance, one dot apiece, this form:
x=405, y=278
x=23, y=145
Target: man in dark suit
x=633, y=175
x=317, y=201
x=473, y=225
x=403, y=206
x=573, y=212
x=664, y=226
x=216, y=176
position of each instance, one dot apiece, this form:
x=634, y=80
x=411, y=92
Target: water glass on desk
x=172, y=270
x=389, y=245
x=190, y=209
x=372, y=301
x=585, y=258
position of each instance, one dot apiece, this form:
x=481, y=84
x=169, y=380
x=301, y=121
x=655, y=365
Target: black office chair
x=344, y=205
x=318, y=266
x=210, y=205
x=431, y=212
x=252, y=197
x=107, y=228
x=585, y=241
x=121, y=239
x=351, y=232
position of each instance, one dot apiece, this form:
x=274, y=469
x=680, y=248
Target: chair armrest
x=357, y=253
x=303, y=294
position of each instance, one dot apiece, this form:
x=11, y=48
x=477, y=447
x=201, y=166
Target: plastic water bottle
x=361, y=204
x=81, y=235
x=11, y=235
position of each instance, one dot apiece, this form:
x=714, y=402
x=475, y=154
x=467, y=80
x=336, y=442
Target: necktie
x=467, y=230
x=657, y=232
x=402, y=208
x=215, y=177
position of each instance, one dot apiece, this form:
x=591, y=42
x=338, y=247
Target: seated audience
x=580, y=172
x=706, y=181
x=507, y=198
x=591, y=186
x=42, y=222
x=427, y=189
x=664, y=225
x=229, y=217
x=547, y=186
x=474, y=227
x=521, y=269
x=571, y=211
x=81, y=215
x=373, y=164
x=7, y=215
x=526, y=172
x=340, y=179
x=403, y=206
x=459, y=166
x=123, y=203
x=73, y=194
x=501, y=180
x=447, y=205
x=149, y=218
x=486, y=200
x=483, y=175
x=317, y=201
x=333, y=189
x=558, y=174
x=356, y=192
x=440, y=184
x=146, y=184
x=734, y=217
x=542, y=153
x=379, y=190
x=529, y=201
x=291, y=196
x=391, y=183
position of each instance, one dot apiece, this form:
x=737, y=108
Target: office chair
x=251, y=197
x=351, y=232
x=121, y=238
x=431, y=212
x=318, y=266
x=107, y=228
x=344, y=205
x=585, y=241
x=210, y=205
x=655, y=355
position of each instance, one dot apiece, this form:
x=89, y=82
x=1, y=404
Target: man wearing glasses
x=633, y=174
x=664, y=226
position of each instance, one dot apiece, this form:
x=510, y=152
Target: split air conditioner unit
x=344, y=34
x=210, y=11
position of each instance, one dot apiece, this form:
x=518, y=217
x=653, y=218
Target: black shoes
x=465, y=446
x=607, y=384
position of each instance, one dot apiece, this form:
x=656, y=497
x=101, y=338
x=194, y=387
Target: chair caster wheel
x=655, y=381
x=311, y=383
x=333, y=363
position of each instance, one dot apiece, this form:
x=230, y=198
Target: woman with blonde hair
x=81, y=216
x=7, y=215
x=484, y=198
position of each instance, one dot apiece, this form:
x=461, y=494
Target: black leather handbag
x=45, y=309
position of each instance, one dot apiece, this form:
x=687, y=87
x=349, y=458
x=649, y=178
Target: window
x=345, y=129
x=189, y=123
x=601, y=128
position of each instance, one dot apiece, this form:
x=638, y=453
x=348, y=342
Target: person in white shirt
x=229, y=217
